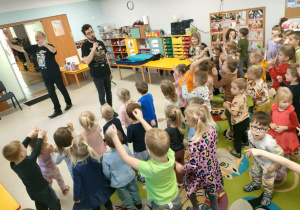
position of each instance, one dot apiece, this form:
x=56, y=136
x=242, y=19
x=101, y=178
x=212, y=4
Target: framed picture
x=256, y=35
x=255, y=14
x=255, y=24
x=241, y=18
x=256, y=45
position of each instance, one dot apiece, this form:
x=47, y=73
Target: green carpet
x=236, y=174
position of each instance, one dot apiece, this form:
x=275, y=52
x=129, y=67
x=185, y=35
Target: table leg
x=119, y=72
x=83, y=74
x=142, y=68
x=149, y=75
x=77, y=80
x=66, y=81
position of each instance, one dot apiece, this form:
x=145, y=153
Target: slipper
x=66, y=190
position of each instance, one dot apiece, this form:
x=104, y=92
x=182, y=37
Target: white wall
x=160, y=12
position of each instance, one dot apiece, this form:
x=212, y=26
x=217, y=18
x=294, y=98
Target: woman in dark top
x=196, y=41
x=230, y=35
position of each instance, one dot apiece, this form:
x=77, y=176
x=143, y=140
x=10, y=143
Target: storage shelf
x=144, y=48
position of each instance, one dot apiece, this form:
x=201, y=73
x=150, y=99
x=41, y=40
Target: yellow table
x=7, y=201
x=132, y=66
x=164, y=64
x=82, y=68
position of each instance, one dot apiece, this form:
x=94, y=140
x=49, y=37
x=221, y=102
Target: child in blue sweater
x=121, y=175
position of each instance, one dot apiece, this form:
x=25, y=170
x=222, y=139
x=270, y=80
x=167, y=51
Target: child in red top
x=283, y=125
x=286, y=53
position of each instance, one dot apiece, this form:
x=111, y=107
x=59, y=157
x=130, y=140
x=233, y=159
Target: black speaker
x=178, y=28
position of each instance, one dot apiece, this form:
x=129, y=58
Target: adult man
x=45, y=54
x=94, y=54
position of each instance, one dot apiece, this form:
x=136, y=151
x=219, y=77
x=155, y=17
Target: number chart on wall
x=253, y=19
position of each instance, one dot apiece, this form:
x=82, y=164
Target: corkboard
x=220, y=22
x=292, y=12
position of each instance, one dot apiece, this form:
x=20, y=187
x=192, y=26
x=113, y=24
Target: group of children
x=158, y=155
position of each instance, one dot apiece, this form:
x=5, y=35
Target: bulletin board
x=292, y=8
x=252, y=18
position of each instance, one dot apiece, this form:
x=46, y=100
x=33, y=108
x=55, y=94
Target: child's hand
x=178, y=167
x=76, y=201
x=183, y=81
x=279, y=78
x=208, y=48
x=214, y=71
x=42, y=134
x=252, y=152
x=112, y=131
x=207, y=58
x=50, y=148
x=191, y=60
x=153, y=123
x=298, y=129
x=273, y=125
x=160, y=119
x=33, y=131
x=248, y=155
x=271, y=63
x=227, y=105
x=280, y=128
x=70, y=126
x=138, y=114
x=272, y=92
x=272, y=168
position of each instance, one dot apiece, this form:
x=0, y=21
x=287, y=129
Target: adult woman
x=196, y=41
x=230, y=35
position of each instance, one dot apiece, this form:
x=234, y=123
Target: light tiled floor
x=16, y=124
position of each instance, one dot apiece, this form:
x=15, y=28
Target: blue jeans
x=242, y=62
x=103, y=86
x=129, y=195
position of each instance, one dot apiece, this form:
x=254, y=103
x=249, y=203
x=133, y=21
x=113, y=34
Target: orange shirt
x=189, y=81
x=263, y=64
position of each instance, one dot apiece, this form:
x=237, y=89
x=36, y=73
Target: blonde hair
x=200, y=77
x=258, y=54
x=157, y=141
x=168, y=89
x=197, y=36
x=12, y=151
x=231, y=50
x=33, y=142
x=173, y=115
x=287, y=33
x=123, y=94
x=87, y=120
x=241, y=83
x=107, y=112
x=256, y=70
x=109, y=140
x=283, y=93
x=80, y=150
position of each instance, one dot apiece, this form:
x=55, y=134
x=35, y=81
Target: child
x=238, y=109
x=92, y=132
x=263, y=171
x=294, y=41
x=256, y=58
x=283, y=125
x=272, y=48
x=146, y=102
x=121, y=175
x=176, y=133
x=286, y=53
x=257, y=88
x=229, y=70
x=124, y=96
x=207, y=67
x=29, y=172
x=293, y=77
x=199, y=54
x=179, y=71
x=217, y=52
x=285, y=36
x=63, y=138
x=136, y=136
x=243, y=46
x=91, y=187
x=49, y=170
x=108, y=114
x=200, y=91
x=161, y=184
x=203, y=152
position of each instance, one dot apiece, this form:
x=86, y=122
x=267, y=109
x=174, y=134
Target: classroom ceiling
x=15, y=5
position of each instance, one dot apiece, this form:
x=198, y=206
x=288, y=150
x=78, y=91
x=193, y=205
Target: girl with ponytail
x=91, y=188
x=203, y=170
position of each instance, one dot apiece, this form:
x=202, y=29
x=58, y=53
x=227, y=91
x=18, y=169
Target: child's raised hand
x=70, y=126
x=111, y=131
x=273, y=125
x=153, y=123
x=42, y=134
x=160, y=119
x=209, y=48
x=271, y=63
x=214, y=71
x=50, y=148
x=279, y=78
x=138, y=114
x=33, y=131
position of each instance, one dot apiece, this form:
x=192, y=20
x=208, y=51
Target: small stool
x=6, y=200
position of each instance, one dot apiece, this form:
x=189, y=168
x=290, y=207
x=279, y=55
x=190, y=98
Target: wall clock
x=130, y=5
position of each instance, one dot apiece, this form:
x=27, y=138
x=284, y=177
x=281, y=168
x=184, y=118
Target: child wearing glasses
x=263, y=171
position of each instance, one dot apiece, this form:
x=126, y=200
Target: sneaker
x=179, y=185
x=116, y=114
x=252, y=186
x=68, y=106
x=55, y=114
x=228, y=134
x=235, y=154
x=140, y=180
x=139, y=206
x=267, y=199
